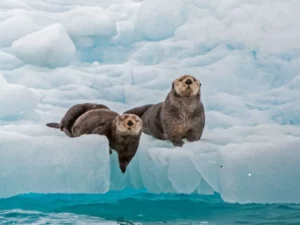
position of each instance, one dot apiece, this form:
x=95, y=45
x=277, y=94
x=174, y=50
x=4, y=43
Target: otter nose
x=130, y=123
x=188, y=81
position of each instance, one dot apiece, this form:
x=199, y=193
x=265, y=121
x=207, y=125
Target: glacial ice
x=125, y=53
x=9, y=61
x=50, y=46
x=53, y=165
x=165, y=18
x=257, y=173
x=11, y=30
x=17, y=101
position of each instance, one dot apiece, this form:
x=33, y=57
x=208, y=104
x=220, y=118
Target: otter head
x=128, y=124
x=186, y=86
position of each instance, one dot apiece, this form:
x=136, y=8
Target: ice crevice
x=126, y=53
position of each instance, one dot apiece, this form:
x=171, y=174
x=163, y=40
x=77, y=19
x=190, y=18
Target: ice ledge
x=52, y=164
x=265, y=172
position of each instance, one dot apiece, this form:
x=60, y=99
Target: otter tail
x=53, y=125
x=139, y=111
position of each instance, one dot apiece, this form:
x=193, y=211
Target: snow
x=125, y=53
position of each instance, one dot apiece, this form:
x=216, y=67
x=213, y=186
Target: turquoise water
x=140, y=207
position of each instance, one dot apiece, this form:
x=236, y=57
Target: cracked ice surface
x=126, y=53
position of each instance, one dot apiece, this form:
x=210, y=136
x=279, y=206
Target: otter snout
x=186, y=86
x=130, y=123
x=188, y=81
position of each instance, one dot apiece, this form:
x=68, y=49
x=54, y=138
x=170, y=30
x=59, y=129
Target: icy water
x=132, y=207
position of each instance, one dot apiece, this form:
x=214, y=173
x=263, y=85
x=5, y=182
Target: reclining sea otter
x=122, y=131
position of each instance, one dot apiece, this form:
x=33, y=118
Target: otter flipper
x=53, y=125
x=139, y=111
x=57, y=126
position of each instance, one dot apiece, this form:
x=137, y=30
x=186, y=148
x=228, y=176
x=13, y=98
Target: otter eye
x=194, y=79
x=181, y=80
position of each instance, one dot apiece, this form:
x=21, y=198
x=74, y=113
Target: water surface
x=139, y=207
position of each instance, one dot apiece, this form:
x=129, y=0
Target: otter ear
x=199, y=88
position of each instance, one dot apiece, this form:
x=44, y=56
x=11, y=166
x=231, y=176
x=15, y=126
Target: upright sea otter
x=180, y=116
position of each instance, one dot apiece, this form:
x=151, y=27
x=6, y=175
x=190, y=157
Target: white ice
x=126, y=53
x=50, y=46
x=53, y=165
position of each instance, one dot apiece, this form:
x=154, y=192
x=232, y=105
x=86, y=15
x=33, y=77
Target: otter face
x=128, y=124
x=186, y=86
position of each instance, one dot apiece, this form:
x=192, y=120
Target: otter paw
x=178, y=143
x=193, y=138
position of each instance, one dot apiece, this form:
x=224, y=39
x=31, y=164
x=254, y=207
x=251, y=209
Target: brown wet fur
x=139, y=111
x=180, y=116
x=74, y=112
x=90, y=120
x=126, y=141
x=122, y=131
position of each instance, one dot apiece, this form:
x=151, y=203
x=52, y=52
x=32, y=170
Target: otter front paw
x=178, y=143
x=193, y=138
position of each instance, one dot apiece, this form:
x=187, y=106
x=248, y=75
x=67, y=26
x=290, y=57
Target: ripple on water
x=140, y=208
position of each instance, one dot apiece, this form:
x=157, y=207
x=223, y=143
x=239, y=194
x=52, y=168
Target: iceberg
x=125, y=53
